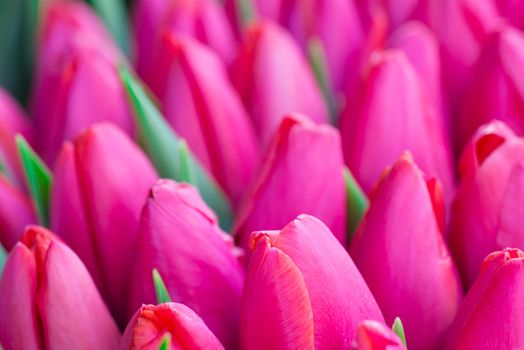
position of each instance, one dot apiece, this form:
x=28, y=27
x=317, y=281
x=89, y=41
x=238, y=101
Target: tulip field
x=262, y=174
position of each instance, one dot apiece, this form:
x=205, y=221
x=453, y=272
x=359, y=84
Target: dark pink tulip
x=373, y=335
x=513, y=10
x=302, y=290
x=49, y=301
x=203, y=20
x=204, y=108
x=415, y=277
x=180, y=237
x=492, y=314
x=151, y=323
x=486, y=214
x=272, y=85
x=392, y=113
x=293, y=180
x=16, y=212
x=77, y=65
x=101, y=183
x=497, y=88
x=12, y=121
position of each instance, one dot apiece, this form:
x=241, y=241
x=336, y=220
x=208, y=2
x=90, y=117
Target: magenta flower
x=374, y=335
x=49, y=301
x=180, y=237
x=101, y=183
x=302, y=290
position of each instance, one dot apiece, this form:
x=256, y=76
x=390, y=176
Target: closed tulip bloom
x=293, y=180
x=152, y=323
x=77, y=64
x=180, y=237
x=497, y=89
x=393, y=113
x=101, y=183
x=492, y=314
x=415, y=278
x=204, y=108
x=486, y=213
x=302, y=290
x=49, y=301
x=16, y=212
x=513, y=10
x=373, y=335
x=203, y=20
x=273, y=85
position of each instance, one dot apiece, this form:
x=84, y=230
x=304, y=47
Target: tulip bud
x=292, y=181
x=203, y=107
x=392, y=113
x=153, y=323
x=299, y=296
x=203, y=20
x=273, y=85
x=101, y=183
x=486, y=213
x=15, y=213
x=497, y=88
x=49, y=301
x=492, y=314
x=415, y=278
x=180, y=237
x=77, y=82
x=373, y=335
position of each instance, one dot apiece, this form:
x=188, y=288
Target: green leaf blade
x=162, y=295
x=398, y=328
x=114, y=15
x=166, y=342
x=356, y=203
x=3, y=258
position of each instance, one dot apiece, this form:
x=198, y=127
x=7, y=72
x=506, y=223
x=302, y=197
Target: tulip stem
x=398, y=328
x=162, y=295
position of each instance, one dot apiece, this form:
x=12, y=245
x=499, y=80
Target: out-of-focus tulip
x=273, y=85
x=415, y=278
x=152, y=323
x=492, y=314
x=204, y=108
x=373, y=335
x=12, y=122
x=293, y=180
x=16, y=212
x=393, y=113
x=497, y=88
x=204, y=20
x=101, y=183
x=49, y=301
x=486, y=214
x=302, y=290
x=77, y=82
x=513, y=10
x=180, y=237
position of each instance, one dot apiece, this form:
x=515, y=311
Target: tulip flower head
x=373, y=335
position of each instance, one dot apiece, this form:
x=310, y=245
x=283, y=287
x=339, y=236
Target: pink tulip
x=49, y=301
x=392, y=113
x=101, y=183
x=513, y=10
x=373, y=335
x=415, y=278
x=204, y=20
x=77, y=82
x=180, y=237
x=492, y=314
x=302, y=290
x=497, y=89
x=12, y=122
x=272, y=85
x=152, y=323
x=204, y=108
x=16, y=212
x=293, y=180
x=486, y=213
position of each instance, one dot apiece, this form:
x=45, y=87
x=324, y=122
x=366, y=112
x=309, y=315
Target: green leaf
x=356, y=203
x=162, y=295
x=168, y=152
x=38, y=178
x=398, y=328
x=166, y=342
x=114, y=15
x=317, y=60
x=3, y=257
